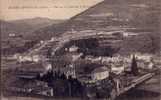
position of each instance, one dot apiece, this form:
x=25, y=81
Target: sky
x=54, y=9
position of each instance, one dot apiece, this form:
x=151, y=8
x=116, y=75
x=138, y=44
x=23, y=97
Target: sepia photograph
x=80, y=49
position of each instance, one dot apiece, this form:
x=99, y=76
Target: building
x=117, y=68
x=145, y=57
x=32, y=86
x=71, y=71
x=29, y=58
x=129, y=34
x=73, y=48
x=30, y=70
x=100, y=73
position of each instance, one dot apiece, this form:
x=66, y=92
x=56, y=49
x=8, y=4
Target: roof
x=26, y=76
x=33, y=67
x=100, y=69
x=29, y=84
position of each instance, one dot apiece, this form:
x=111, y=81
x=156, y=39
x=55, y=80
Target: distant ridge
x=25, y=26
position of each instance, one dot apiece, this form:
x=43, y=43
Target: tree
x=134, y=67
x=49, y=53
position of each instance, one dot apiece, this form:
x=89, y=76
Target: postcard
x=80, y=49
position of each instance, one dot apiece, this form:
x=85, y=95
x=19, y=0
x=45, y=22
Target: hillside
x=25, y=27
x=139, y=16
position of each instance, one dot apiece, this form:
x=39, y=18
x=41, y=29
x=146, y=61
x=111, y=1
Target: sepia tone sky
x=55, y=9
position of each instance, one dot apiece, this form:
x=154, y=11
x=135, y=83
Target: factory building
x=100, y=73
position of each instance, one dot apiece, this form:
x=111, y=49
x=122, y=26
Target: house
x=11, y=35
x=36, y=58
x=73, y=48
x=30, y=58
x=22, y=58
x=129, y=34
x=145, y=57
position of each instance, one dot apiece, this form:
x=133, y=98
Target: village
x=76, y=63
